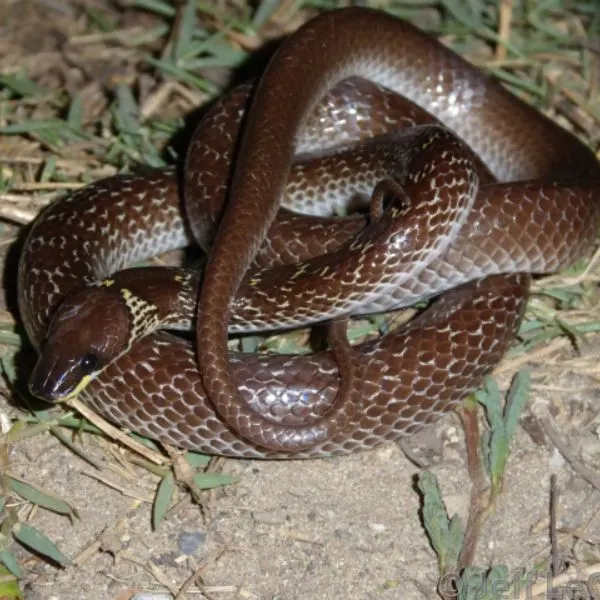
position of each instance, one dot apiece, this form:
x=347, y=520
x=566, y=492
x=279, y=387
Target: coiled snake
x=448, y=226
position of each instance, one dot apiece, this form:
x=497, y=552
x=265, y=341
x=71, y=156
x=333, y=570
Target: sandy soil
x=341, y=528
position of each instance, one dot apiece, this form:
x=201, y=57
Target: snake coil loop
x=493, y=194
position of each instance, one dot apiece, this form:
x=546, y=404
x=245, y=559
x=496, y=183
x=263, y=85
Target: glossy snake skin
x=408, y=377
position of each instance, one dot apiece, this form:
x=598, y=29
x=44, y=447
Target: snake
x=318, y=125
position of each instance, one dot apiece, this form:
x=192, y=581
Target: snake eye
x=89, y=363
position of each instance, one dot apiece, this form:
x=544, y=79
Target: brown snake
x=408, y=377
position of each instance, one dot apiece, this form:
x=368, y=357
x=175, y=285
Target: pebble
x=377, y=527
x=189, y=542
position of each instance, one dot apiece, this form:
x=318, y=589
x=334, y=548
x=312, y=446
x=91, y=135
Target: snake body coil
x=448, y=225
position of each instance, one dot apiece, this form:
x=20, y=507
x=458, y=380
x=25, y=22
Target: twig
x=17, y=215
x=553, y=536
x=478, y=506
x=504, y=21
x=588, y=474
x=116, y=434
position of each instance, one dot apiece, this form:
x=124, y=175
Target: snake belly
x=410, y=376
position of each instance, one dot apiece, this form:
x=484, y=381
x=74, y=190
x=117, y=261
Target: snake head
x=89, y=330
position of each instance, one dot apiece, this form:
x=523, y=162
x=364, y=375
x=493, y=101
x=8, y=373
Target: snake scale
x=472, y=190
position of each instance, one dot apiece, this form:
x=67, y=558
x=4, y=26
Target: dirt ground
x=345, y=528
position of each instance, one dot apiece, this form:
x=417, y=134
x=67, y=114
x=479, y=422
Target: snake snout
x=50, y=381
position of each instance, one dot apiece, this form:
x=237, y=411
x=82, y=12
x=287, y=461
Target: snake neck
x=155, y=298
